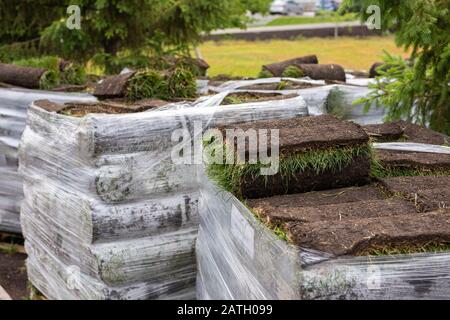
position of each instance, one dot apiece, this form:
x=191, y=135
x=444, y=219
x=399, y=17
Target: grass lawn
x=245, y=58
x=284, y=21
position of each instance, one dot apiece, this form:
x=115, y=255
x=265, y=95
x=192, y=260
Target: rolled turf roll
x=27, y=77
x=315, y=153
x=333, y=72
x=148, y=83
x=277, y=69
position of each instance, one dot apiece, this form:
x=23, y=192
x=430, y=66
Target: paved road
x=311, y=26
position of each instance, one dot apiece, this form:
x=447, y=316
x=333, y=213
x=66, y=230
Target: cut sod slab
x=248, y=97
x=402, y=233
x=367, y=220
x=277, y=69
x=405, y=131
x=385, y=132
x=82, y=109
x=148, y=83
x=427, y=192
x=403, y=163
x=415, y=133
x=274, y=214
x=28, y=77
x=316, y=153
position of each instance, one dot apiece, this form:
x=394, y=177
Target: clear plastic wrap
x=412, y=147
x=239, y=258
x=319, y=98
x=13, y=110
x=103, y=196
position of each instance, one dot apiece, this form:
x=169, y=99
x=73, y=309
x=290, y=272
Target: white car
x=284, y=7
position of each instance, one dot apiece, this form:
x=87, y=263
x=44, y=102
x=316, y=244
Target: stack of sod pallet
x=315, y=153
x=385, y=240
x=107, y=212
x=13, y=107
x=349, y=243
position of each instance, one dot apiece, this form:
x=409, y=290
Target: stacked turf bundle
x=409, y=149
x=385, y=241
x=13, y=108
x=316, y=153
x=107, y=212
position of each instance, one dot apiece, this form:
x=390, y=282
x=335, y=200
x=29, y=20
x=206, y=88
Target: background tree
x=111, y=28
x=417, y=90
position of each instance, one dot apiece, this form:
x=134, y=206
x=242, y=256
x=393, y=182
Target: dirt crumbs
x=13, y=275
x=249, y=97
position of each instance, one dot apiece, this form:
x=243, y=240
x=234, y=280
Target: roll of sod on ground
x=315, y=153
x=148, y=83
x=28, y=77
x=408, y=163
x=277, y=69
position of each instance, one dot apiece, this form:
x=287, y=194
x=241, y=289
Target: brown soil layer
x=303, y=133
x=384, y=132
x=413, y=160
x=408, y=185
x=26, y=77
x=419, y=134
x=113, y=86
x=359, y=236
x=248, y=97
x=82, y=109
x=354, y=174
x=13, y=275
x=432, y=199
x=405, y=131
x=278, y=68
x=324, y=72
x=287, y=85
x=334, y=212
x=428, y=193
x=318, y=198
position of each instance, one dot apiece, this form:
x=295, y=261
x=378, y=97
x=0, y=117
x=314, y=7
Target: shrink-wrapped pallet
x=13, y=109
x=104, y=197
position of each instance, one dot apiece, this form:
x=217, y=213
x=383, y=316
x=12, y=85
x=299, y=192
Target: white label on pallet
x=242, y=231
